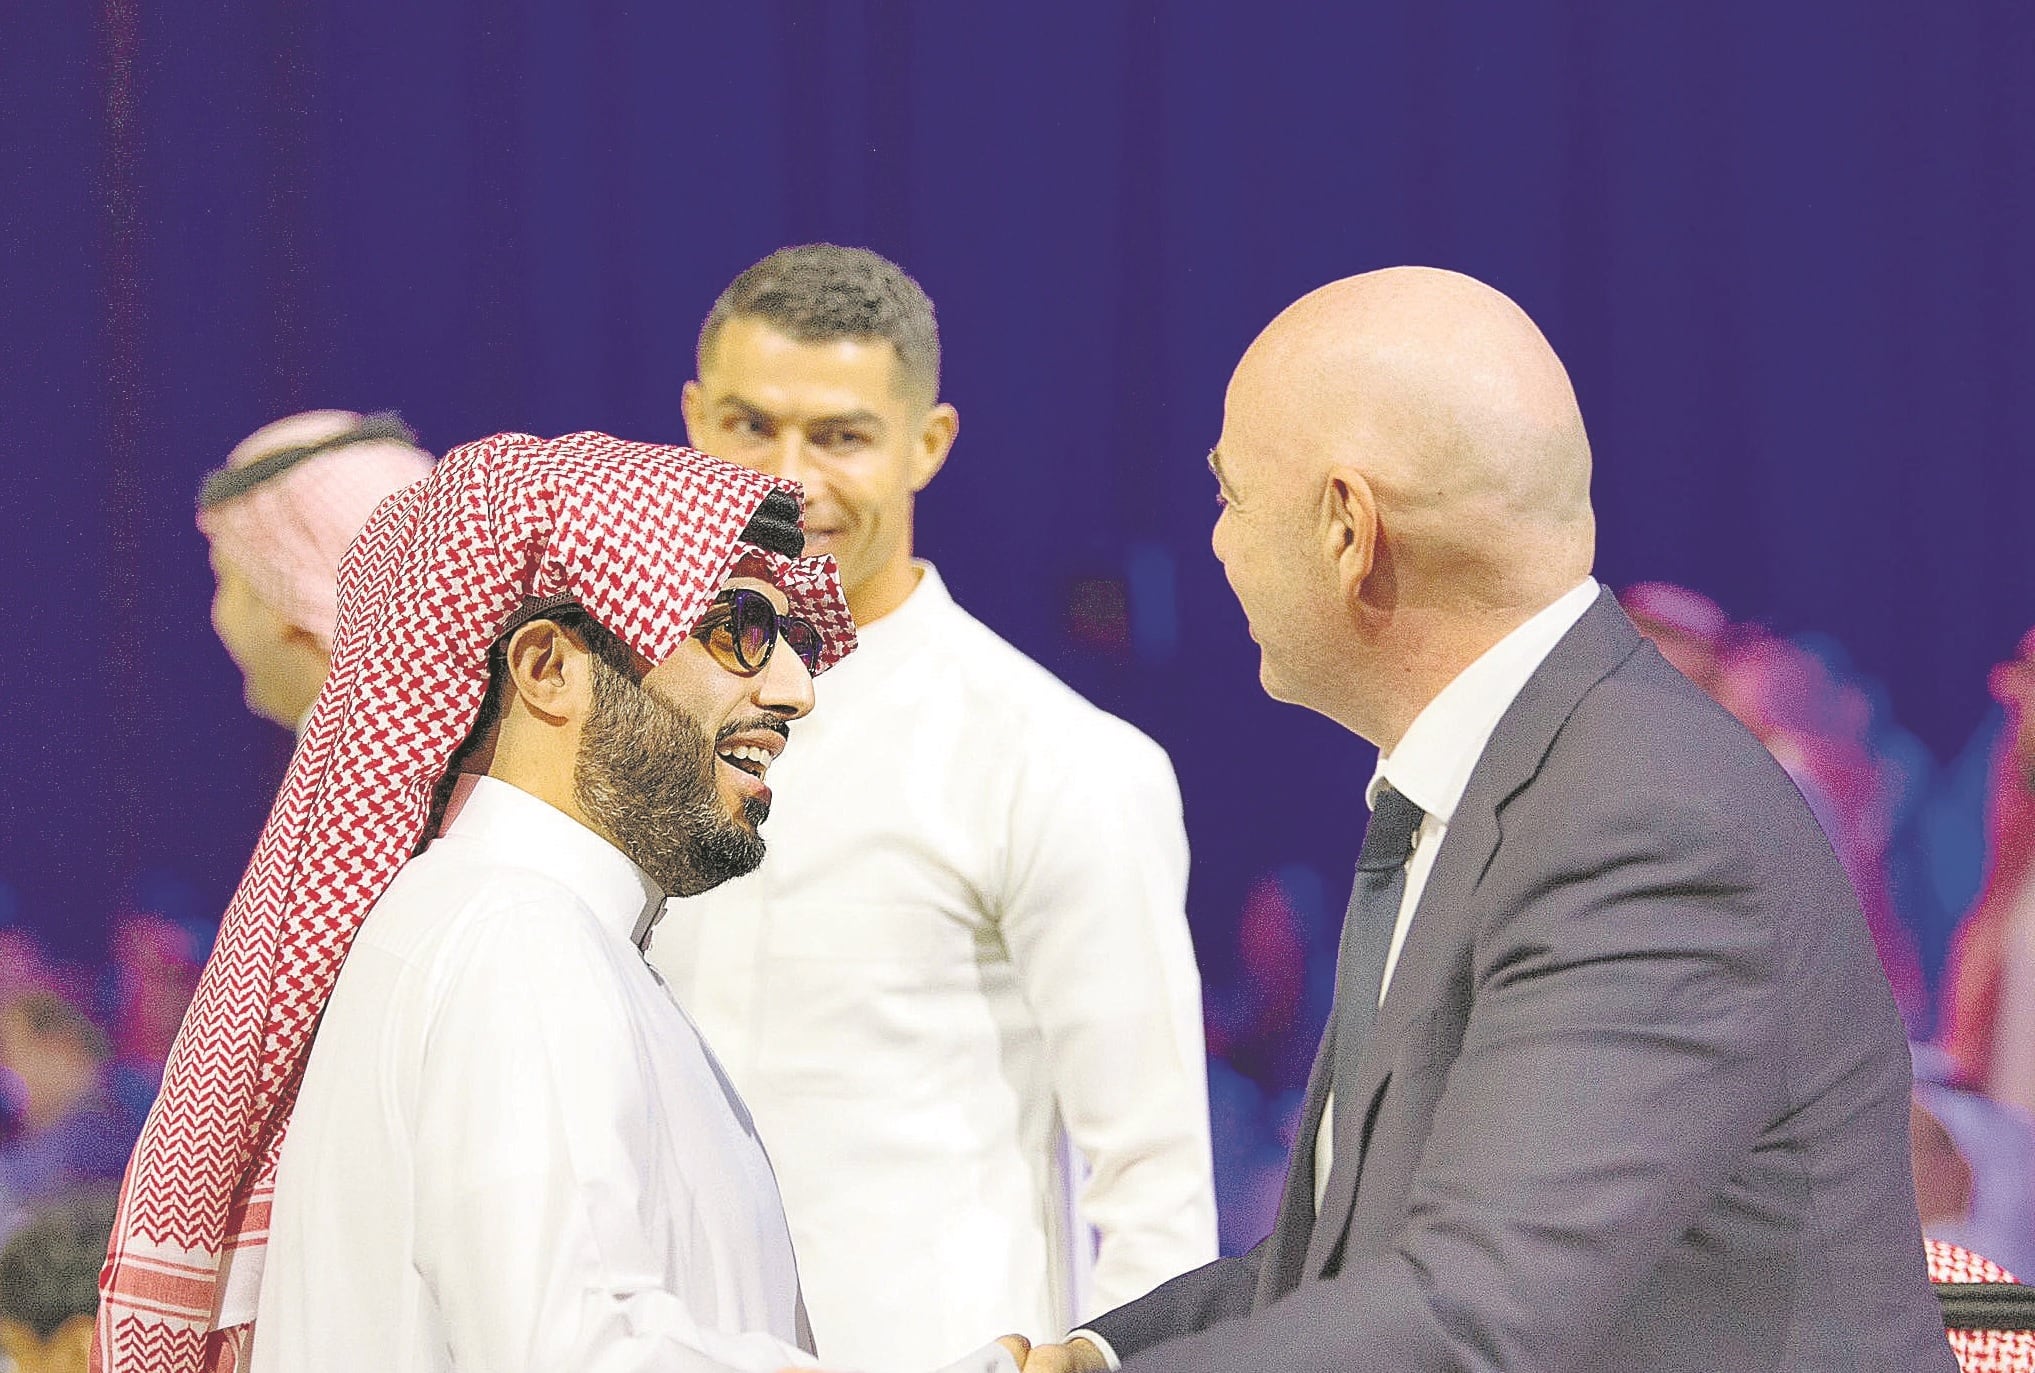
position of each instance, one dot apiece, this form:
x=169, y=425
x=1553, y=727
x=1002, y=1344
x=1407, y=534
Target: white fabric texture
x=968, y=943
x=511, y=1150
x=1433, y=762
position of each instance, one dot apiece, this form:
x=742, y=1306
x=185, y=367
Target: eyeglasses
x=741, y=629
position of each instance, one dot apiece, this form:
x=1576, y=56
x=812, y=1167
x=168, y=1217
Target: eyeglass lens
x=756, y=626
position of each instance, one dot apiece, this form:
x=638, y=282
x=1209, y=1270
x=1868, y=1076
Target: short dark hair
x=819, y=292
x=49, y=1271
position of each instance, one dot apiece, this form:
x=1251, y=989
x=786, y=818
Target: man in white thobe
x=969, y=948
x=564, y=672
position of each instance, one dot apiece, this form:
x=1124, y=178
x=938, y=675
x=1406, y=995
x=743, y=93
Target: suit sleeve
x=1616, y=1067
x=1195, y=1300
x=1094, y=916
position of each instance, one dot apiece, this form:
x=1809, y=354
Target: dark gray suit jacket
x=1637, y=1098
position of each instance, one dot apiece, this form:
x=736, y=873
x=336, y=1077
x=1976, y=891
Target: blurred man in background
x=49, y=1284
x=1819, y=722
x=1690, y=630
x=970, y=942
x=1989, y=1018
x=279, y=515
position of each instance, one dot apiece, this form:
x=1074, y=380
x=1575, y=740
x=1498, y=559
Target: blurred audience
x=70, y=1128
x=1975, y=1174
x=1819, y=725
x=1973, y=1117
x=1690, y=630
x=279, y=516
x=1989, y=1015
x=1264, y=1020
x=49, y=1284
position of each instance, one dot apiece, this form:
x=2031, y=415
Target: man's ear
x=935, y=441
x=1349, y=529
x=548, y=669
x=692, y=403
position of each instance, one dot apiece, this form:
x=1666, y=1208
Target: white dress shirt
x=968, y=941
x=1432, y=765
x=511, y=1149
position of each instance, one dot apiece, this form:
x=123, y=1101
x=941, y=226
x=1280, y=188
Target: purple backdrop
x=1784, y=248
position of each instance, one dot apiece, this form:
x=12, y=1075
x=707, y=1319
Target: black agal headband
x=225, y=483
x=774, y=527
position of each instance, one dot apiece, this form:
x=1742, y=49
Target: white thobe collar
x=1439, y=750
x=534, y=834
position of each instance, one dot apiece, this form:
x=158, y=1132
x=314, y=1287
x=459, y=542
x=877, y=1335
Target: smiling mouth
x=745, y=758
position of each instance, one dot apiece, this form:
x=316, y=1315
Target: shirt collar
x=1435, y=757
x=912, y=621
x=537, y=835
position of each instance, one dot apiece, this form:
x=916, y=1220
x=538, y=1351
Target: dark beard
x=645, y=778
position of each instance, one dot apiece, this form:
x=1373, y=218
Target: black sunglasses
x=741, y=629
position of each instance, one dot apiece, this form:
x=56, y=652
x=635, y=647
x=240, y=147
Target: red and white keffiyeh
x=1980, y=1351
x=287, y=535
x=643, y=536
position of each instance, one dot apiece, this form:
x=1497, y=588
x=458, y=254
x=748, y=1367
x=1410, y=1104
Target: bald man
x=1613, y=1078
x=278, y=517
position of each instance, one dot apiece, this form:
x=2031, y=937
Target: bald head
x=1406, y=480
x=1452, y=406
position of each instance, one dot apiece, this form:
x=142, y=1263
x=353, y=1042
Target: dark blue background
x=1784, y=248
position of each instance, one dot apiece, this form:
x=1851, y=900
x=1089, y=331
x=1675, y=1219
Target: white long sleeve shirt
x=968, y=939
x=511, y=1150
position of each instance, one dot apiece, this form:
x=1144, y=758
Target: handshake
x=1075, y=1356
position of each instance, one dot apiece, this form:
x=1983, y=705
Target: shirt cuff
x=1108, y=1353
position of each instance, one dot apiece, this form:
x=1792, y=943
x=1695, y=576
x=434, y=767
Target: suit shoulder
x=1647, y=730
x=1648, y=755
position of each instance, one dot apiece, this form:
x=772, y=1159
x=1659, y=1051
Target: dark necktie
x=1367, y=935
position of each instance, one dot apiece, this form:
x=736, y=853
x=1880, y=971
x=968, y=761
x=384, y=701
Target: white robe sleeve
x=532, y=1146
x=1095, y=920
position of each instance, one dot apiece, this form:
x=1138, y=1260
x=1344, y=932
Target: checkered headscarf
x=643, y=537
x=286, y=533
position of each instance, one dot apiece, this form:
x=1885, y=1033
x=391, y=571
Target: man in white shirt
x=562, y=675
x=970, y=944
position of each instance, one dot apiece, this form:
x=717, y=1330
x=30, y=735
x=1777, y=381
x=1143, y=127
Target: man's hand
x=1018, y=1346
x=1075, y=1356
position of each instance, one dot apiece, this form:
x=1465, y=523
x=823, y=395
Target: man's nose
x=785, y=686
x=788, y=455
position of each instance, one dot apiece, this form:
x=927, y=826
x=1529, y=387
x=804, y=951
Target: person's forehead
x=754, y=361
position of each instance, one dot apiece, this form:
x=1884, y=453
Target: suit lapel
x=1442, y=920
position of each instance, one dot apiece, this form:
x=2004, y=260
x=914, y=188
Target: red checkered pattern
x=1981, y=1351
x=644, y=537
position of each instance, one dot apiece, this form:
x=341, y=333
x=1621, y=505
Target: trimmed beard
x=645, y=777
